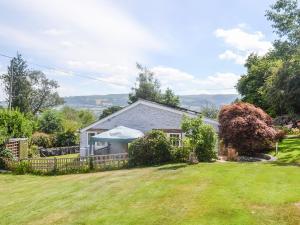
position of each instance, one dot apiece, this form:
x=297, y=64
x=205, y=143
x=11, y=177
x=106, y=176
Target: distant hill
x=97, y=103
x=97, y=100
x=196, y=102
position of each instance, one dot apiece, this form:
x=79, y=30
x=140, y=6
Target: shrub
x=42, y=140
x=22, y=167
x=67, y=138
x=86, y=117
x=80, y=118
x=205, y=148
x=50, y=122
x=294, y=131
x=201, y=138
x=288, y=131
x=180, y=154
x=247, y=128
x=71, y=125
x=13, y=124
x=61, y=139
x=4, y=154
x=152, y=149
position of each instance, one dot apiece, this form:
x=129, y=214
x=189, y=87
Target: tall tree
x=169, y=98
x=255, y=84
x=284, y=93
x=148, y=88
x=16, y=84
x=31, y=91
x=272, y=81
x=285, y=18
x=43, y=93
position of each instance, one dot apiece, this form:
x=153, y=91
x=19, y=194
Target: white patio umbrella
x=119, y=134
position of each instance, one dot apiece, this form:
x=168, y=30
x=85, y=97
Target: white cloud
x=121, y=78
x=99, y=40
x=76, y=30
x=242, y=43
x=58, y=73
x=18, y=38
x=171, y=74
x=67, y=44
x=54, y=32
x=223, y=80
x=184, y=83
x=115, y=74
x=230, y=55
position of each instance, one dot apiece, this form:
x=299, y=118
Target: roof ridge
x=172, y=107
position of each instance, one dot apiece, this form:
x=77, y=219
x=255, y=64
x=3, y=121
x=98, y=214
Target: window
x=175, y=139
x=89, y=135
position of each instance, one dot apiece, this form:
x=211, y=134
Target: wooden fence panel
x=64, y=165
x=110, y=161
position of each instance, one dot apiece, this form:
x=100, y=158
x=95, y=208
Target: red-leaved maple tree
x=246, y=128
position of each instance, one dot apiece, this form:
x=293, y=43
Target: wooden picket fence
x=69, y=165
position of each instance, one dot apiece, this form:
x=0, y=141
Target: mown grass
x=289, y=151
x=75, y=155
x=206, y=193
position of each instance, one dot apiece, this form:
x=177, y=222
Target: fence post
x=91, y=163
x=55, y=165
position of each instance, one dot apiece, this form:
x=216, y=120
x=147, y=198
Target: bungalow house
x=143, y=116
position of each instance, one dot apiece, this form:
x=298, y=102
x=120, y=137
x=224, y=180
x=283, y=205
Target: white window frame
x=179, y=139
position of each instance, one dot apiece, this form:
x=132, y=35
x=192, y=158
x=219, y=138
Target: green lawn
x=289, y=151
x=206, y=193
x=75, y=155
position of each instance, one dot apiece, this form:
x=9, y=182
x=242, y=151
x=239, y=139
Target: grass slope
x=289, y=151
x=207, y=193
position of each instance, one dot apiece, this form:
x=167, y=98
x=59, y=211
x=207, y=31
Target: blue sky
x=193, y=47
